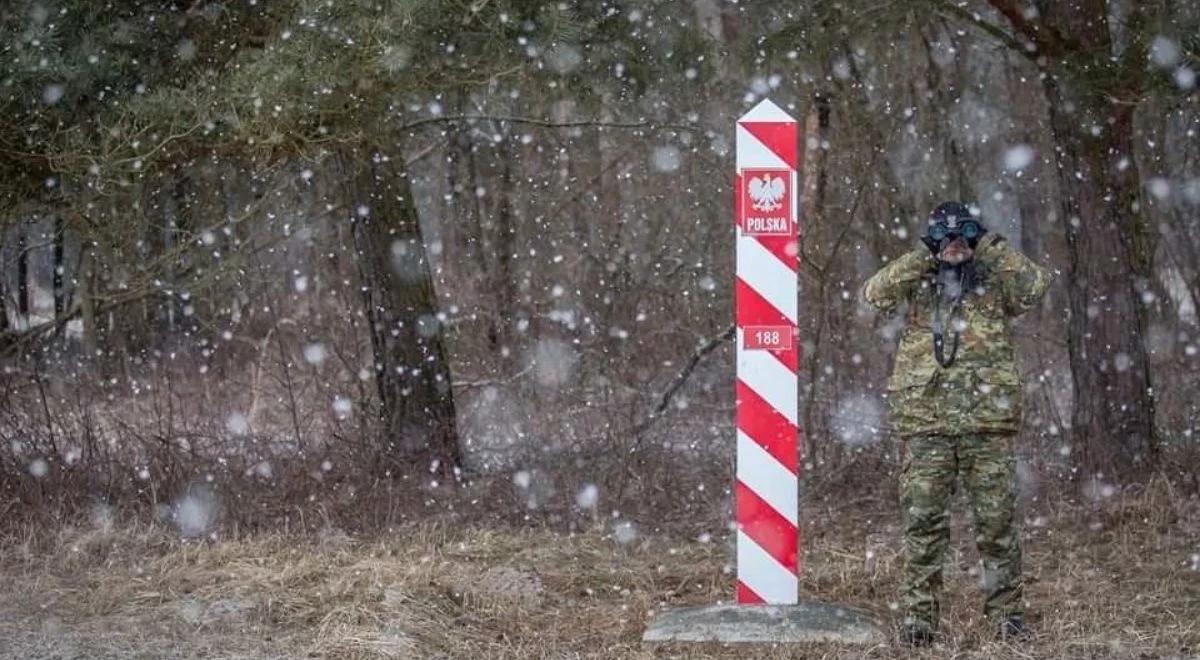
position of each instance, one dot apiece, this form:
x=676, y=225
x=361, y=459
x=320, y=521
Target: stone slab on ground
x=805, y=622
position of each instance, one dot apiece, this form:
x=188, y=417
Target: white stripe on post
x=767, y=477
x=764, y=575
x=767, y=275
x=766, y=375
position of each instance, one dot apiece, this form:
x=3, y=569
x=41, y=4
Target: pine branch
x=1046, y=38
x=1132, y=63
x=952, y=10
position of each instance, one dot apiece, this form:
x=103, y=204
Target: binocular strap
x=939, y=329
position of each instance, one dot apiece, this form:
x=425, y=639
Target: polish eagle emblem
x=766, y=192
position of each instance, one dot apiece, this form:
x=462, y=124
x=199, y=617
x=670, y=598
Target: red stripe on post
x=766, y=426
x=746, y=596
x=778, y=136
x=771, y=531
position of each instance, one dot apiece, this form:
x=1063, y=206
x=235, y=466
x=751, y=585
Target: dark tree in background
x=412, y=373
x=1093, y=84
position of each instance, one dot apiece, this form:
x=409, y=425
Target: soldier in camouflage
x=955, y=401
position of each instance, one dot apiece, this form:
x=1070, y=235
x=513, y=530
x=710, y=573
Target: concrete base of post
x=806, y=622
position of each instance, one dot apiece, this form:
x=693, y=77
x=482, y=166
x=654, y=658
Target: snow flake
x=1018, y=157
x=52, y=93
x=553, y=362
x=625, y=532
x=858, y=420
x=237, y=424
x=39, y=468
x=841, y=68
x=1160, y=188
x=195, y=514
x=396, y=58
x=186, y=50
x=522, y=479
x=666, y=158
x=1185, y=78
x=1164, y=51
x=314, y=354
x=563, y=58
x=587, y=497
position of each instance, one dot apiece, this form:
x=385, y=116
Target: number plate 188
x=767, y=337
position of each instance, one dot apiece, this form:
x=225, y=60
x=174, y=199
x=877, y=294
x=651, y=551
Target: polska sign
x=766, y=202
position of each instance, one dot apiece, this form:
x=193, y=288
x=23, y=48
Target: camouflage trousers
x=985, y=464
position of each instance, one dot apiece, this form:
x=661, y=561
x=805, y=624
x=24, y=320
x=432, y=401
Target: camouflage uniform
x=960, y=420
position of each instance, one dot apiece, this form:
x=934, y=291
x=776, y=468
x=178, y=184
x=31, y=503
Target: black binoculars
x=968, y=229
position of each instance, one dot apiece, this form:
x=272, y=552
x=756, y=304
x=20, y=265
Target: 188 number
x=768, y=338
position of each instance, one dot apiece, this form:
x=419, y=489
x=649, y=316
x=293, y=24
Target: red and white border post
x=766, y=188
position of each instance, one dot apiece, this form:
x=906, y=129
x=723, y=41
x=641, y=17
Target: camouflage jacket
x=981, y=391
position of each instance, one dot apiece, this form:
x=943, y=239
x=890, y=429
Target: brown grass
x=1112, y=579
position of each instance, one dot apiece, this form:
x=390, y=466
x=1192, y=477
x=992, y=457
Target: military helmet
x=952, y=219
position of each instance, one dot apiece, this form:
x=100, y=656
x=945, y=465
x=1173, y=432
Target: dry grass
x=1106, y=580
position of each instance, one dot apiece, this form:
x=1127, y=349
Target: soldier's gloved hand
x=956, y=252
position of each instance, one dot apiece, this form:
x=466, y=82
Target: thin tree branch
x=545, y=123
x=681, y=378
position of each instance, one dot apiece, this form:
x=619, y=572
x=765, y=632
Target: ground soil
x=1118, y=577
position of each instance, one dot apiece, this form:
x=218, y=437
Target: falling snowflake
x=237, y=424
x=1018, y=157
x=587, y=497
x=625, y=532
x=314, y=354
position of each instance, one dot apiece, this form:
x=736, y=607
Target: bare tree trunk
x=946, y=95
x=87, y=301
x=815, y=172
x=3, y=299
x=503, y=282
x=481, y=249
x=1109, y=264
x=59, y=266
x=23, y=275
x=175, y=211
x=412, y=372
